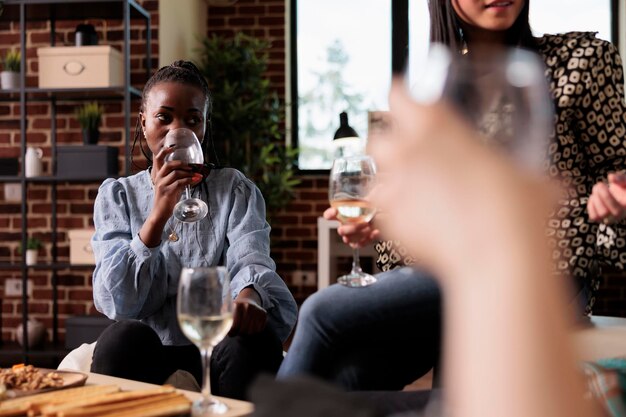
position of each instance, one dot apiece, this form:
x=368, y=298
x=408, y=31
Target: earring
x=464, y=49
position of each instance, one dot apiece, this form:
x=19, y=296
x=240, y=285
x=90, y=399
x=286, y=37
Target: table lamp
x=346, y=141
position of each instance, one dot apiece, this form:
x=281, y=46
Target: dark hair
x=183, y=72
x=446, y=27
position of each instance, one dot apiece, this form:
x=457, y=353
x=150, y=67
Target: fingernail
x=197, y=177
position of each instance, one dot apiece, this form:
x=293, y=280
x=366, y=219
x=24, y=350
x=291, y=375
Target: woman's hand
x=354, y=234
x=607, y=202
x=248, y=315
x=169, y=179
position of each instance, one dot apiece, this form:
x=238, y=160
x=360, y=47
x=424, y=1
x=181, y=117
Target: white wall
x=181, y=23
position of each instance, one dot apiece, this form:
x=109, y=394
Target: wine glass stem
x=206, y=368
x=187, y=192
x=356, y=264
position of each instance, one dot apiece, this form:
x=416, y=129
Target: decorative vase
x=33, y=165
x=91, y=136
x=31, y=256
x=10, y=80
x=36, y=333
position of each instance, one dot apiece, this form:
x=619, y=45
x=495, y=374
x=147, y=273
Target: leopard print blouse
x=586, y=79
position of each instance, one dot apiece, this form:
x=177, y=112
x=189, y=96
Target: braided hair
x=183, y=72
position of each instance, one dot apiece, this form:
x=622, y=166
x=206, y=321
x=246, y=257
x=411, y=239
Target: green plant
x=248, y=117
x=31, y=243
x=89, y=115
x=12, y=61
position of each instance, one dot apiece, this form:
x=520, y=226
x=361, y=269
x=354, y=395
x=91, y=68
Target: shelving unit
x=53, y=11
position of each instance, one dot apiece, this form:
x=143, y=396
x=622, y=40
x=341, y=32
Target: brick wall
x=75, y=200
x=294, y=236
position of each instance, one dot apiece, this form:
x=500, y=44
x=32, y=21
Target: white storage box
x=80, y=67
x=81, y=252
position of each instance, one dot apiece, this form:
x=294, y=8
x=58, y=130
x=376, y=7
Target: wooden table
x=605, y=337
x=236, y=408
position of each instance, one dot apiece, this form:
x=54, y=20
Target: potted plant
x=32, y=250
x=248, y=117
x=10, y=75
x=89, y=116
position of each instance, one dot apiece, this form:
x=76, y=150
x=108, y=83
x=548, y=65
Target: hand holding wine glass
x=351, y=180
x=187, y=149
x=205, y=315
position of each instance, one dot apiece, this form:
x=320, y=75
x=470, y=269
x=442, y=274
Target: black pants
x=132, y=350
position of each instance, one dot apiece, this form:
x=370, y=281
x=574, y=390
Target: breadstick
x=120, y=408
x=31, y=404
x=105, y=398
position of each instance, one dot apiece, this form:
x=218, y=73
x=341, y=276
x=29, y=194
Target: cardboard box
x=76, y=162
x=81, y=252
x=80, y=67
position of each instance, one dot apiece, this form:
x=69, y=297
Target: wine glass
x=351, y=180
x=187, y=149
x=503, y=94
x=205, y=315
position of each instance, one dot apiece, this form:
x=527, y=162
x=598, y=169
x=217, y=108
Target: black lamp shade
x=344, y=131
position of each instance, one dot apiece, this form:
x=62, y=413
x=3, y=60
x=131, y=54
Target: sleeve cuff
x=141, y=251
x=266, y=303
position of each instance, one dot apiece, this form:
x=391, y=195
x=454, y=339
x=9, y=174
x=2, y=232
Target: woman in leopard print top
x=585, y=76
x=385, y=336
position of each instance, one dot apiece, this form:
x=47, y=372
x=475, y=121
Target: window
x=556, y=16
x=342, y=65
x=342, y=58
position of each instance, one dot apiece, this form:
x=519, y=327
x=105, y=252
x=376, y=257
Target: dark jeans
x=132, y=350
x=380, y=337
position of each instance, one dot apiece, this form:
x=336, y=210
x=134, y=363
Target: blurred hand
x=607, y=202
x=248, y=315
x=354, y=234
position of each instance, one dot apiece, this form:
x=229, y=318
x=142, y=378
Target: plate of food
x=21, y=380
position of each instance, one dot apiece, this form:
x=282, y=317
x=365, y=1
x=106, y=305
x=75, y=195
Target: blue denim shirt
x=133, y=281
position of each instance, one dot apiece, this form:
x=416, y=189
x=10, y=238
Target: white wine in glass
x=351, y=180
x=205, y=315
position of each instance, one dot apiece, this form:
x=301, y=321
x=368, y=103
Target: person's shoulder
x=112, y=185
x=230, y=176
x=566, y=43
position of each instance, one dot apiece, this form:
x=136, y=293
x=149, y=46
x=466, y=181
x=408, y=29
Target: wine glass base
x=208, y=407
x=357, y=280
x=190, y=210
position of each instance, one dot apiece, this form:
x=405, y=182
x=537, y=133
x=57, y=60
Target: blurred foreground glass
x=205, y=315
x=504, y=95
x=188, y=150
x=351, y=180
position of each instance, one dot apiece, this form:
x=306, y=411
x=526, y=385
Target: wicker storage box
x=80, y=67
x=81, y=252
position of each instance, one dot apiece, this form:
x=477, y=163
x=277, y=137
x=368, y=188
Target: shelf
x=45, y=266
x=71, y=10
x=69, y=94
x=48, y=356
x=54, y=179
x=48, y=349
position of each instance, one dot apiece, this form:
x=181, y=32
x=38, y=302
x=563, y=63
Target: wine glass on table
x=187, y=149
x=351, y=180
x=205, y=315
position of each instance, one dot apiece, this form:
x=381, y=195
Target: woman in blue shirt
x=140, y=249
